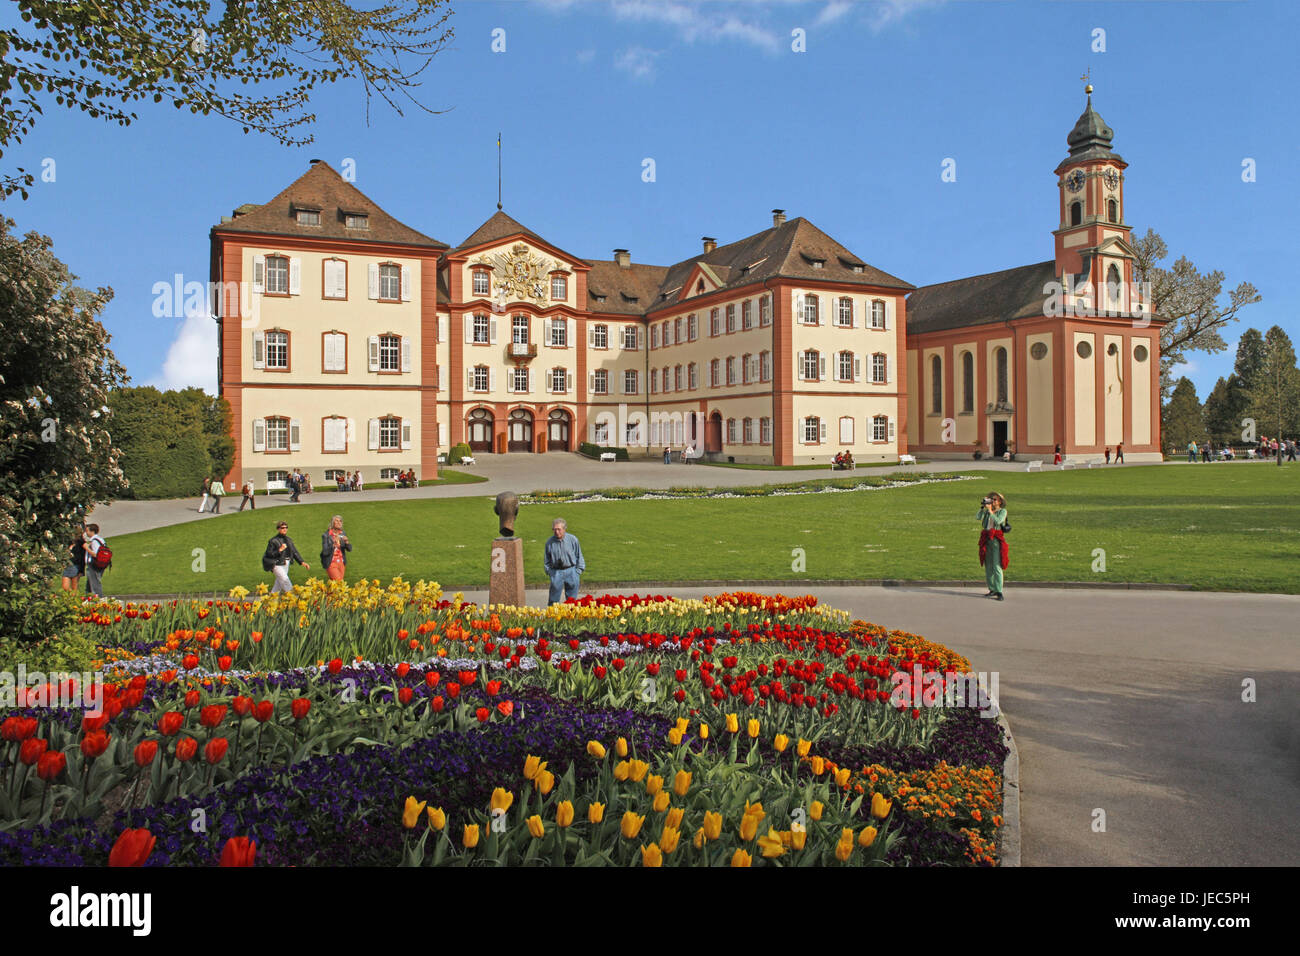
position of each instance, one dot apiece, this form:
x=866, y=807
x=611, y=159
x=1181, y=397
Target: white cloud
x=192, y=357
x=696, y=21
x=832, y=12
x=888, y=12
x=638, y=61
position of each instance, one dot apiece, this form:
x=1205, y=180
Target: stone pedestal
x=506, y=580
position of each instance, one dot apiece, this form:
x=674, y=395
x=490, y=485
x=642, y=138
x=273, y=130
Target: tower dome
x=1091, y=137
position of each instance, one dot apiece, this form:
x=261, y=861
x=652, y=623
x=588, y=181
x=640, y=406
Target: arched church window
x=1000, y=360
x=1112, y=285
x=967, y=382
x=1112, y=210
x=1076, y=213
x=936, y=385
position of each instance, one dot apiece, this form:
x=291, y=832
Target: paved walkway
x=520, y=473
x=1128, y=702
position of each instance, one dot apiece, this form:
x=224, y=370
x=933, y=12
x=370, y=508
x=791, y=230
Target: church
x=351, y=341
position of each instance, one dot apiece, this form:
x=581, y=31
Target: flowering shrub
x=364, y=724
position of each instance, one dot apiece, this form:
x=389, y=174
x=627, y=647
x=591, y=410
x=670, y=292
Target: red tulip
x=167, y=676
x=224, y=663
x=618, y=663
x=574, y=643
x=89, y=723
x=482, y=714
x=94, y=744
x=145, y=751
x=239, y=851
x=132, y=848
x=438, y=703
x=566, y=665
x=263, y=711
x=170, y=723
x=652, y=669
x=192, y=698
x=403, y=634
x=18, y=728
x=402, y=669
x=507, y=707
x=299, y=707
x=242, y=705
x=335, y=666
x=467, y=677
x=404, y=695
x=492, y=687
x=190, y=661
x=432, y=678
x=51, y=764
x=599, y=671
x=186, y=748
x=212, y=715
x=216, y=749
x=32, y=749
x=453, y=689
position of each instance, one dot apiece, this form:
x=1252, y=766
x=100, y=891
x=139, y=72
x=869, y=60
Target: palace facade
x=350, y=341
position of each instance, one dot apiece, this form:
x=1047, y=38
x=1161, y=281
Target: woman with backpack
x=248, y=496
x=334, y=546
x=994, y=549
x=96, y=563
x=218, y=490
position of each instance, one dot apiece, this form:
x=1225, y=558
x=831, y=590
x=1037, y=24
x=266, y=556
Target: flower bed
x=360, y=725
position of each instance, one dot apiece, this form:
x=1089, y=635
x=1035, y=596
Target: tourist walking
x=248, y=496
x=1119, y=454
x=668, y=456
x=1191, y=452
x=1056, y=457
x=217, y=490
x=1290, y=449
x=1206, y=451
x=1108, y=454
x=563, y=562
x=334, y=548
x=280, y=550
x=995, y=551
x=92, y=542
x=76, y=562
x=295, y=483
x=361, y=485
x=207, y=484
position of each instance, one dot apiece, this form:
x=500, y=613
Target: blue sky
x=850, y=133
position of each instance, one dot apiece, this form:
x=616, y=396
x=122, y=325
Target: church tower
x=1094, y=251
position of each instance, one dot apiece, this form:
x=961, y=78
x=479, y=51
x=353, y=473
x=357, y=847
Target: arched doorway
x=519, y=430
x=713, y=434
x=693, y=430
x=480, y=430
x=557, y=430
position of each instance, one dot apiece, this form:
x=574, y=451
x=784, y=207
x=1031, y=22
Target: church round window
x=1140, y=353
x=1084, y=349
x=1038, y=350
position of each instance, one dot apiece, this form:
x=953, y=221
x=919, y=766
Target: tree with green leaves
x=1181, y=418
x=56, y=371
x=1250, y=357
x=171, y=441
x=1222, y=411
x=1275, y=389
x=1190, y=300
x=252, y=61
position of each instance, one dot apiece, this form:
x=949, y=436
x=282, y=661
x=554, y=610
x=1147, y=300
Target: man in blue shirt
x=564, y=563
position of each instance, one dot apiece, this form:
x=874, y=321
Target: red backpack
x=102, y=558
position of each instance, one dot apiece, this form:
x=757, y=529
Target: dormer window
x=857, y=268
x=699, y=287
x=356, y=220
x=818, y=263
x=307, y=217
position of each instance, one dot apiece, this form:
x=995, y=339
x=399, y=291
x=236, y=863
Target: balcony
x=522, y=350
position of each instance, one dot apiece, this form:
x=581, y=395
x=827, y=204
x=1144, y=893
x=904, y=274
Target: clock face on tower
x=1074, y=181
x=1112, y=178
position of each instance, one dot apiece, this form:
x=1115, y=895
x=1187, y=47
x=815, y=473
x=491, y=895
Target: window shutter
x=891, y=428
x=492, y=330
x=374, y=434
x=492, y=380
x=801, y=366
x=591, y=336
x=443, y=323
x=888, y=309
x=406, y=283
x=887, y=369
x=822, y=432
x=469, y=380
x=259, y=349
x=528, y=380
x=331, y=352
x=546, y=331
x=295, y=435
x=549, y=376
x=259, y=273
x=442, y=434
x=442, y=383
x=374, y=353
x=469, y=328
x=406, y=353
x=406, y=434
x=799, y=304
x=295, y=277
x=857, y=369
x=372, y=283
x=510, y=381
x=821, y=368
x=259, y=434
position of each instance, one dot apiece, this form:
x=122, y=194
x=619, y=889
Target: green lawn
x=750, y=466
x=1220, y=527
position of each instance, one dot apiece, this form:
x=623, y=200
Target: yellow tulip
x=653, y=784
x=411, y=812
x=771, y=845
x=803, y=747
x=502, y=798
x=843, y=851
x=780, y=743
x=733, y=725
x=748, y=827
x=532, y=766
x=536, y=827
x=681, y=782
x=650, y=855
x=470, y=839
x=752, y=727
x=596, y=749
x=564, y=813
x=740, y=858
x=880, y=806
x=620, y=746
x=798, y=838
x=867, y=837
x=674, y=818
x=699, y=838
x=595, y=812
x=631, y=824
x=712, y=825
x=674, y=736
x=842, y=776
x=661, y=801
x=683, y=724
x=669, y=838
x=815, y=809
x=754, y=810
x=437, y=818
x=704, y=731
x=621, y=770
x=545, y=781
x=846, y=835
x=818, y=765
x=636, y=770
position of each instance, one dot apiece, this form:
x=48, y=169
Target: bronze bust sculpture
x=507, y=507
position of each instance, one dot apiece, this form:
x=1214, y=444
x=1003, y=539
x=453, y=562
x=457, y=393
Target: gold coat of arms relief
x=519, y=275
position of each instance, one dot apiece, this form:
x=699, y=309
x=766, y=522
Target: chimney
x=709, y=243
x=313, y=162
x=778, y=217
x=623, y=258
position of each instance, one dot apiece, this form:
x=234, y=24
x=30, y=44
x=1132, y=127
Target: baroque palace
x=356, y=342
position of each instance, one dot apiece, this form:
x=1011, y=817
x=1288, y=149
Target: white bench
x=275, y=486
x=1035, y=465
x=907, y=459
x=1095, y=463
x=852, y=466
x=466, y=459
x=1068, y=464
x=608, y=456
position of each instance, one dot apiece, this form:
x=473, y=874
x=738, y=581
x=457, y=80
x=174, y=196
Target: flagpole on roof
x=498, y=171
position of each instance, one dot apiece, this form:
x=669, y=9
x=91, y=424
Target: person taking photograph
x=995, y=552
